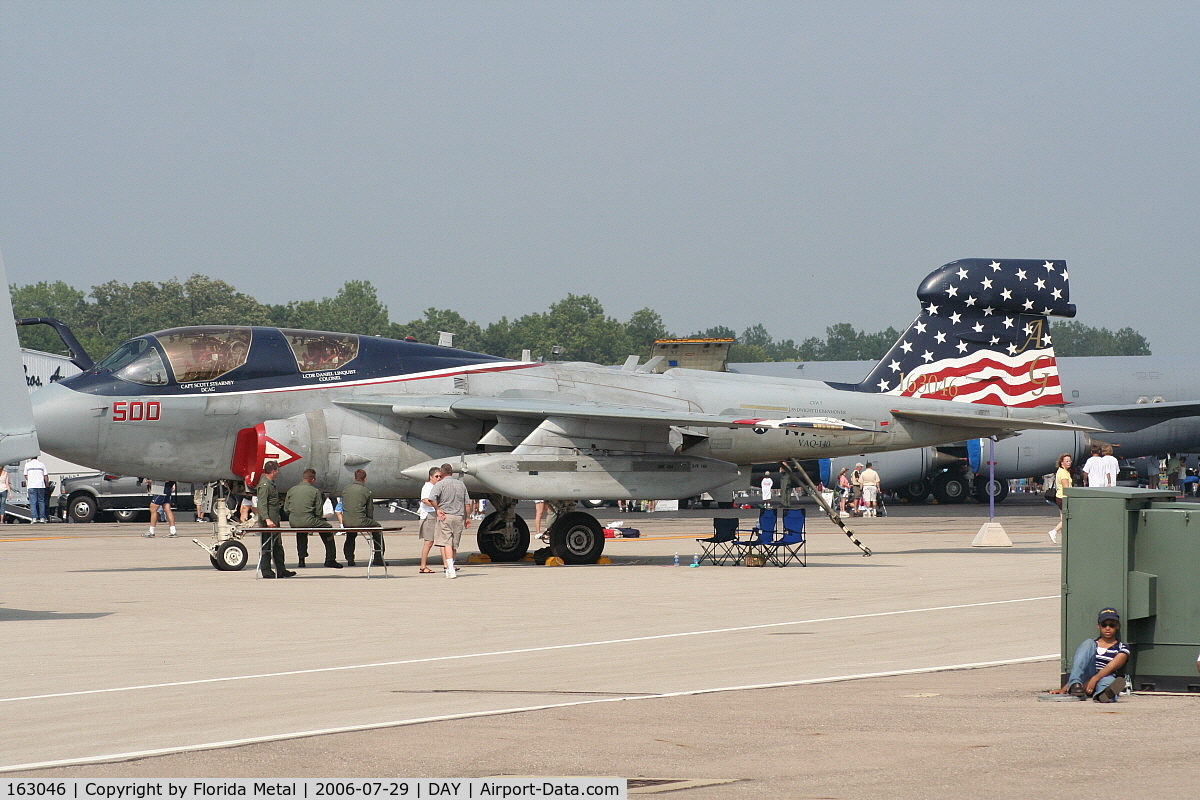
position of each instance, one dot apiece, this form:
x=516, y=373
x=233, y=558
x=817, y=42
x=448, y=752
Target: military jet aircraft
x=214, y=402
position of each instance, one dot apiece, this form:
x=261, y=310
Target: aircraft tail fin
x=982, y=336
x=18, y=437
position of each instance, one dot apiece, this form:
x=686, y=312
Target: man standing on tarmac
x=856, y=492
x=1112, y=467
x=870, y=489
x=358, y=511
x=429, y=520
x=35, y=485
x=305, y=507
x=1093, y=469
x=449, y=500
x=272, y=542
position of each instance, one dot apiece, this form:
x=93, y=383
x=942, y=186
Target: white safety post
x=992, y=533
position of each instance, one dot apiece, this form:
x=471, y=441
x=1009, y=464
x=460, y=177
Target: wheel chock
x=528, y=557
x=604, y=560
x=554, y=561
x=479, y=558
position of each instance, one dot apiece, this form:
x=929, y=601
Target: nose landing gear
x=226, y=551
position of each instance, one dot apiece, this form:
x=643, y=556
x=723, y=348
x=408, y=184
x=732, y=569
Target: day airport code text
x=502, y=788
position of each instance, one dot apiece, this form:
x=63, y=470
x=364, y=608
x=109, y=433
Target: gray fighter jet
x=216, y=402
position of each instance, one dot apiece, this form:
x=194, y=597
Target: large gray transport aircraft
x=216, y=402
x=1148, y=406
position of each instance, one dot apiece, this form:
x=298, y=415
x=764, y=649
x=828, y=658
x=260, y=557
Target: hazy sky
x=797, y=164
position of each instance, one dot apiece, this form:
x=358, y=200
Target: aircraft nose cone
x=67, y=423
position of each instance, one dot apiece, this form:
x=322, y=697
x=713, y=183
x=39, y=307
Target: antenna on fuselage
x=79, y=356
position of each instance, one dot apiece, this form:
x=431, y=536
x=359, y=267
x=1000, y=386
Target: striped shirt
x=1104, y=656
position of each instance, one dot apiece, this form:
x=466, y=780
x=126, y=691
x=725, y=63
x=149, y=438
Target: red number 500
x=136, y=410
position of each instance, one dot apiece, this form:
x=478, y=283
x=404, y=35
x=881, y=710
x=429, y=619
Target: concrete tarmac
x=912, y=673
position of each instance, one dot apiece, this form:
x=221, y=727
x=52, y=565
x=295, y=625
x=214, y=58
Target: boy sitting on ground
x=1093, y=670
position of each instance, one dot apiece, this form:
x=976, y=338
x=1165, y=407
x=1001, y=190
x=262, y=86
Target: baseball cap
x=1107, y=614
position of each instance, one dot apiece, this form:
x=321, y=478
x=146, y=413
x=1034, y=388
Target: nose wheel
x=231, y=556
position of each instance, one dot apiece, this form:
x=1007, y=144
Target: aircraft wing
x=450, y=406
x=994, y=423
x=18, y=438
x=1135, y=416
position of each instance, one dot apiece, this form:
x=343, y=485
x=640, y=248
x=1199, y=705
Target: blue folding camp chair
x=761, y=535
x=791, y=545
x=718, y=548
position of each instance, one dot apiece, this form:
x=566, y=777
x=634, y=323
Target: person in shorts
x=449, y=499
x=162, y=501
x=869, y=479
x=428, y=516
x=1062, y=482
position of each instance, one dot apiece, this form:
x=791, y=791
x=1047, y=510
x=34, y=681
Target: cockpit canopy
x=206, y=353
x=315, y=350
x=202, y=354
x=216, y=357
x=136, y=361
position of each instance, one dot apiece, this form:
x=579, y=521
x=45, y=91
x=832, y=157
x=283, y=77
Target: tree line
x=113, y=312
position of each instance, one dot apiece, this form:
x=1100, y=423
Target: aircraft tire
x=82, y=508
x=914, y=492
x=949, y=488
x=577, y=538
x=499, y=544
x=981, y=490
x=231, y=556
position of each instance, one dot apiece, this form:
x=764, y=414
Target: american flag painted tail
x=982, y=336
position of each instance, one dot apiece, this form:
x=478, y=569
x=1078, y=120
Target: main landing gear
x=502, y=535
x=575, y=536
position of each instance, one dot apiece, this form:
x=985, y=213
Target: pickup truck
x=86, y=497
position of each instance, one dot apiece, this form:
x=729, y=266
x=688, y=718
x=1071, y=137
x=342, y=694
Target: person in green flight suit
x=272, y=542
x=304, y=505
x=358, y=511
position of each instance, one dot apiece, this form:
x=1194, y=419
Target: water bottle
x=676, y=564
x=695, y=559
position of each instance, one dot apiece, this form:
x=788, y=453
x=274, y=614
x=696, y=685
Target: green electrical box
x=1137, y=550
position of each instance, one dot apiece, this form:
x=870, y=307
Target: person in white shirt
x=767, y=485
x=35, y=483
x=870, y=489
x=5, y=488
x=1111, y=467
x=1093, y=469
x=425, y=511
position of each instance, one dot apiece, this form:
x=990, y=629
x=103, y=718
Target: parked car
x=87, y=497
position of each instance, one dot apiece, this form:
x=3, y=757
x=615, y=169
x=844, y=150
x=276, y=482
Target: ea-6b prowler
x=216, y=402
